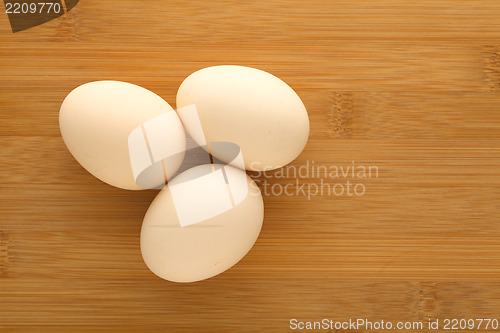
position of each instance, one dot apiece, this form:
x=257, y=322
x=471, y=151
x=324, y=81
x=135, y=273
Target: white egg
x=202, y=223
x=249, y=107
x=112, y=129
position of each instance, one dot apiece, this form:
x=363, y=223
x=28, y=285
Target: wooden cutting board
x=412, y=88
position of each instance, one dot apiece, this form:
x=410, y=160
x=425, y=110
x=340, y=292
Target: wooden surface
x=412, y=87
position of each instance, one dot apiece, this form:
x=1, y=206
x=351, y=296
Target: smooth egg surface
x=248, y=107
x=202, y=223
x=96, y=120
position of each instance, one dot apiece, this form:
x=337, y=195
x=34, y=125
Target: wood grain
x=412, y=88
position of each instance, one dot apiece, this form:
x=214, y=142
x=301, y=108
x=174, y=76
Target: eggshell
x=96, y=120
x=248, y=107
x=202, y=223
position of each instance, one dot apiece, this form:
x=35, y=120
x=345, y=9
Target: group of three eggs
x=206, y=218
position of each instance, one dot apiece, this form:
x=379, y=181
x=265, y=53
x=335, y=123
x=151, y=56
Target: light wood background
x=412, y=87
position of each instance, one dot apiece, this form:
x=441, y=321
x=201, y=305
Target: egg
x=123, y=134
x=202, y=223
x=248, y=107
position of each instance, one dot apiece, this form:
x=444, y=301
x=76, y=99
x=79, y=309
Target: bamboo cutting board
x=412, y=88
